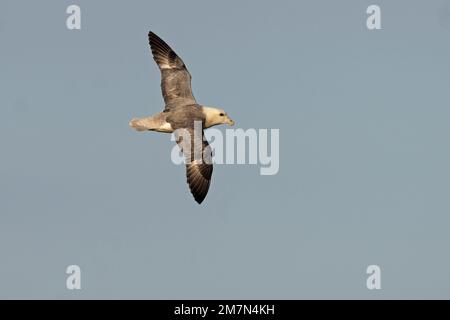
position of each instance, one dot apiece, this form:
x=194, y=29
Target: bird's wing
x=175, y=78
x=199, y=165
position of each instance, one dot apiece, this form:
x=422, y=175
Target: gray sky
x=364, y=126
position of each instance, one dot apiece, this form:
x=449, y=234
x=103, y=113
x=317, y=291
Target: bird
x=180, y=115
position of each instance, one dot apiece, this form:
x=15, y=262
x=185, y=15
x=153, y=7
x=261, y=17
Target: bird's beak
x=230, y=122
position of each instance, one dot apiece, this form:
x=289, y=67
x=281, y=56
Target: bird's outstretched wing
x=199, y=167
x=175, y=78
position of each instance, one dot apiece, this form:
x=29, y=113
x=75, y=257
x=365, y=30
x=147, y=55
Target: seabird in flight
x=180, y=114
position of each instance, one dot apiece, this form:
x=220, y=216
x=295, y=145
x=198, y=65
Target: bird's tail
x=142, y=124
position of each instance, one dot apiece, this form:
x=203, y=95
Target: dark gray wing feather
x=175, y=78
x=199, y=166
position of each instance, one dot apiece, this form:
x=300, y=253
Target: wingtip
x=199, y=201
x=153, y=36
x=199, y=198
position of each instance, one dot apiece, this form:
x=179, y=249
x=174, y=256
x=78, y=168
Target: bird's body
x=181, y=113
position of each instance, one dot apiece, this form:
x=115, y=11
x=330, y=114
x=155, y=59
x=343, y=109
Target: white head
x=214, y=116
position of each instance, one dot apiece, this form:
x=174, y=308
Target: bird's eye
x=221, y=114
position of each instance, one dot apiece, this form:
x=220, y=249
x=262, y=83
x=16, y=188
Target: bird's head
x=215, y=116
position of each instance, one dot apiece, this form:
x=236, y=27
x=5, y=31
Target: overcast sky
x=364, y=157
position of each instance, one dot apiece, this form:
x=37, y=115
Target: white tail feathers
x=140, y=124
x=156, y=123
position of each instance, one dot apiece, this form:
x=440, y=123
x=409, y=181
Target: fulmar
x=182, y=113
